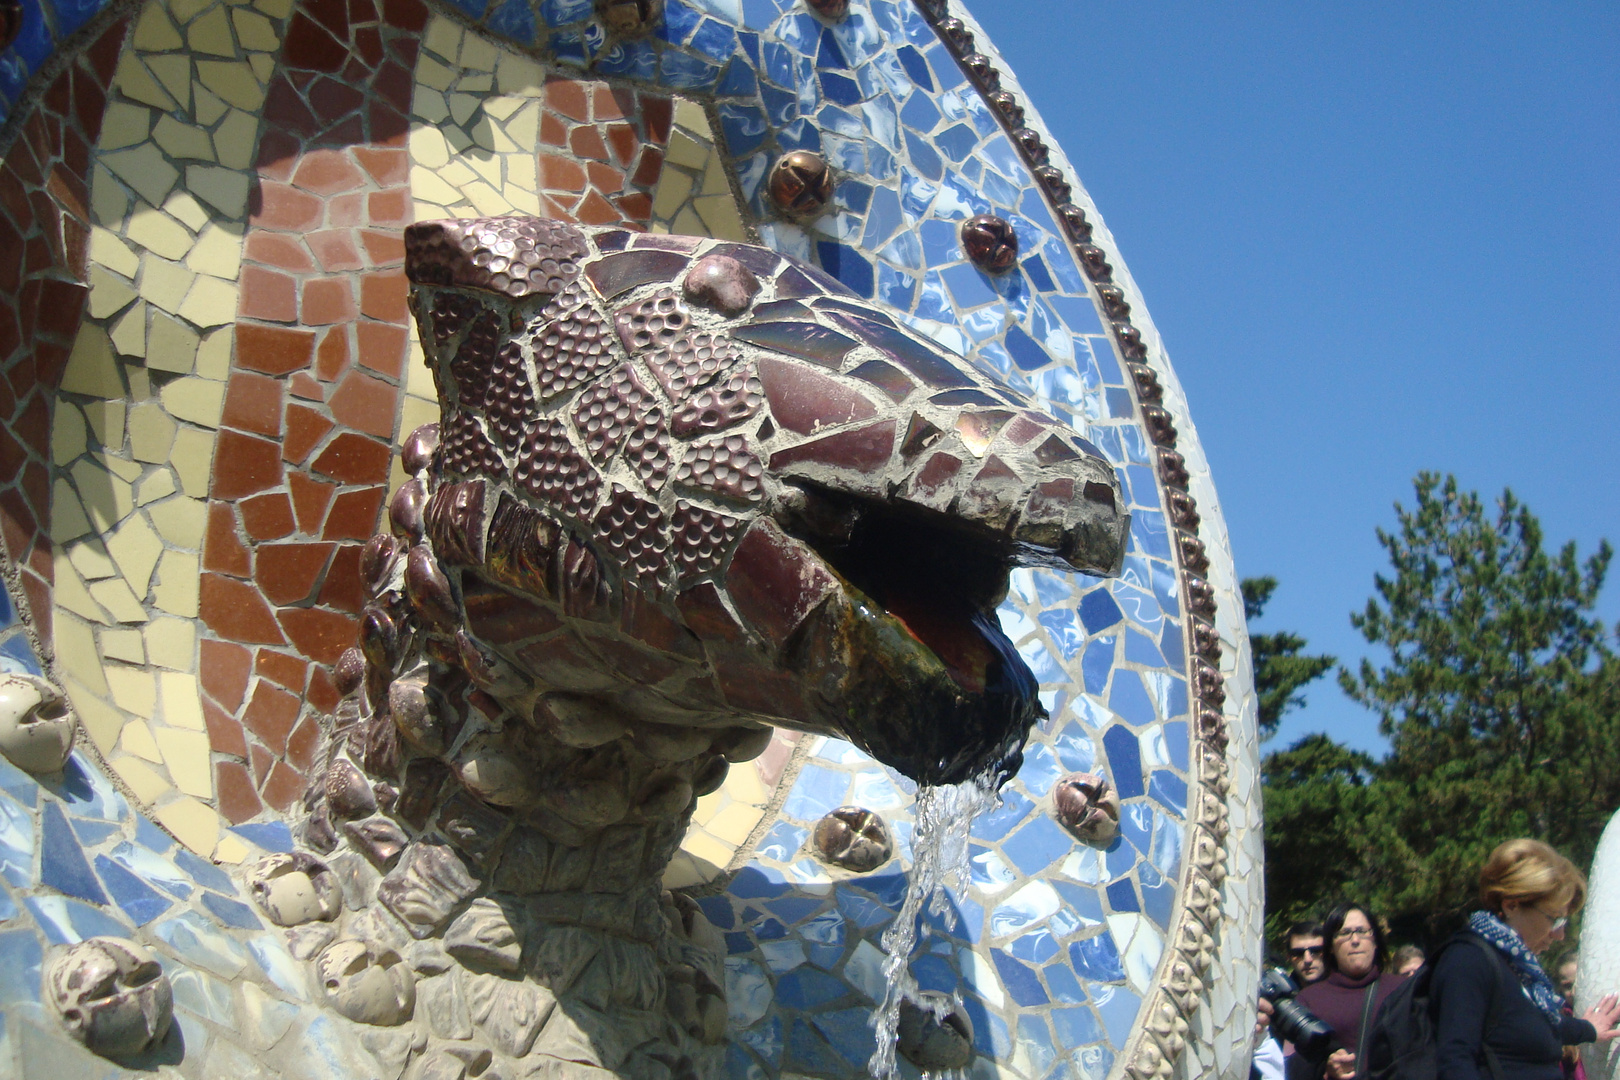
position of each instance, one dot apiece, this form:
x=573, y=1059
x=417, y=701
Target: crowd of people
x=1493, y=1012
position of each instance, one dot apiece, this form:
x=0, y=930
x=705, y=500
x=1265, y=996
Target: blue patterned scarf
x=1525, y=965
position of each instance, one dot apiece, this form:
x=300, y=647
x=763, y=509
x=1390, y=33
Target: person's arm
x=1460, y=998
x=1572, y=1031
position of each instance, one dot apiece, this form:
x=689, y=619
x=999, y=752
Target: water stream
x=939, y=861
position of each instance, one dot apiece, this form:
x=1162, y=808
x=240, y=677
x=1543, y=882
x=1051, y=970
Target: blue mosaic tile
x=808, y=1052
x=204, y=872
x=268, y=836
x=1020, y=981
x=149, y=867
x=1118, y=1008
x=62, y=864
x=20, y=958
x=1038, y=844
x=66, y=921
x=18, y=784
x=16, y=845
x=86, y=793
x=140, y=902
x=1124, y=761
x=232, y=913
x=764, y=1039
x=1097, y=958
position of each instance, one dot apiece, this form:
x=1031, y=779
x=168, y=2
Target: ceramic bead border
x=1160, y=1034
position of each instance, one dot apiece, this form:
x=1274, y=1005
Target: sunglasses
x=1309, y=950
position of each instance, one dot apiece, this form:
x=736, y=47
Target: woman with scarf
x=1496, y=1013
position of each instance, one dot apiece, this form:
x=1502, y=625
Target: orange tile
x=334, y=249
x=327, y=172
x=327, y=301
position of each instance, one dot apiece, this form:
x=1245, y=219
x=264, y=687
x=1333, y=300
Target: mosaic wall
x=208, y=370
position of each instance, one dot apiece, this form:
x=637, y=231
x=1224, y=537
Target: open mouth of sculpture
x=937, y=580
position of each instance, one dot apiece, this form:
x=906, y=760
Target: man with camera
x=1306, y=949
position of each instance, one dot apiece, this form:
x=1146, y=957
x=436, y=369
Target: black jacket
x=1527, y=1044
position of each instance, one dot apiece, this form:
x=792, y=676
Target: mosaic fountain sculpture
x=509, y=644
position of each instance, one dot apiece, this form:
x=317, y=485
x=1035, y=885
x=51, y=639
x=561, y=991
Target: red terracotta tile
x=327, y=172
x=331, y=99
x=623, y=140
x=310, y=499
x=354, y=459
x=303, y=385
x=271, y=715
x=368, y=45
x=283, y=787
x=327, y=301
x=280, y=250
x=382, y=295
x=224, y=669
x=253, y=403
x=355, y=515
x=281, y=206
x=244, y=464
x=63, y=301
x=382, y=347
x=283, y=669
x=302, y=742
x=319, y=634
x=343, y=134
x=224, y=731
x=389, y=127
x=635, y=207
x=558, y=173
x=389, y=207
x=321, y=695
x=567, y=96
x=261, y=761
x=557, y=207
x=586, y=142
x=656, y=112
x=405, y=14
x=387, y=167
x=267, y=294
x=309, y=45
x=605, y=104
x=346, y=211
x=287, y=573
x=333, y=354
x=305, y=428
x=343, y=588
x=237, y=800
x=223, y=550
x=267, y=517
x=382, y=248
x=332, y=14
x=274, y=350
x=278, y=150
x=335, y=250
x=553, y=132
x=366, y=404
x=595, y=210
x=235, y=610
x=649, y=167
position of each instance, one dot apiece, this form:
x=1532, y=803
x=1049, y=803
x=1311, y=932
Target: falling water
x=939, y=860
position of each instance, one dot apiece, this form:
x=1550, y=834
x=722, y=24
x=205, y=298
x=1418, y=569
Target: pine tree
x=1281, y=669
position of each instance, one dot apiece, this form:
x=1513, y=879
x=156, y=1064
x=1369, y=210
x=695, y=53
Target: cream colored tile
x=181, y=521
x=673, y=188
x=106, y=418
x=478, y=53
x=186, y=210
x=428, y=185
x=186, y=10
x=486, y=200
x=159, y=233
x=183, y=140
x=685, y=150
x=174, y=72
x=224, y=189
x=210, y=33
x=687, y=223
x=206, y=107
x=263, y=65
x=734, y=823
x=186, y=755
x=136, y=83
x=428, y=148
x=522, y=171
x=143, y=780
x=160, y=485
x=234, y=81
x=214, y=353
x=68, y=519
x=129, y=332
x=101, y=721
x=109, y=201
x=199, y=401
x=107, y=500
x=708, y=805
x=176, y=590
x=133, y=689
x=457, y=174
x=171, y=345
x=486, y=166
x=714, y=178
x=443, y=38
x=165, y=284
x=232, y=849
x=428, y=104
x=519, y=75
x=108, y=249
x=68, y=592
x=151, y=435
x=523, y=202
x=67, y=433
x=523, y=127
x=743, y=785
x=426, y=211
x=91, y=369
x=683, y=872
x=140, y=383
x=276, y=9
x=193, y=462
x=124, y=125
x=137, y=739
x=114, y=595
x=211, y=302
x=90, y=558
x=459, y=141
x=234, y=141
x=74, y=643
x=255, y=31
x=144, y=169
x=720, y=218
x=155, y=31
x=690, y=115
x=462, y=107
x=172, y=643
x=193, y=823
x=500, y=107
x=182, y=700
x=135, y=547
x=121, y=467
x=125, y=645
x=701, y=846
x=108, y=293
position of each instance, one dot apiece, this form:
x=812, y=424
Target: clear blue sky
x=1377, y=238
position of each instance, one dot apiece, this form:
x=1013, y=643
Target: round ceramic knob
x=36, y=728
x=801, y=184
x=831, y=10
x=1088, y=806
x=853, y=838
x=295, y=888
x=110, y=995
x=990, y=242
x=630, y=18
x=935, y=1033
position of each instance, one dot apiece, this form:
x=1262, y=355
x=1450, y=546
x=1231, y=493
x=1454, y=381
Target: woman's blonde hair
x=1530, y=872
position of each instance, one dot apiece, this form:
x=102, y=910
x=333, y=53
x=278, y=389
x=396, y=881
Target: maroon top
x=1337, y=1000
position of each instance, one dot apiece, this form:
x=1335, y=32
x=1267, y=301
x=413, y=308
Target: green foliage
x=1280, y=671
x=1501, y=700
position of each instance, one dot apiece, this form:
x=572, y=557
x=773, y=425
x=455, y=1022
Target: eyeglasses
x=1308, y=950
x=1353, y=934
x=1558, y=922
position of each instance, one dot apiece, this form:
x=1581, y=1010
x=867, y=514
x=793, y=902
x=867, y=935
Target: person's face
x=1538, y=925
x=1354, y=947
x=1411, y=964
x=1566, y=979
x=1305, y=954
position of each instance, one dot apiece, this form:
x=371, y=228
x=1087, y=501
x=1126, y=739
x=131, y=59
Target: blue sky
x=1376, y=238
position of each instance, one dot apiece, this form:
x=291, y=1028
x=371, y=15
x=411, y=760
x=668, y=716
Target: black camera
x=1291, y=1020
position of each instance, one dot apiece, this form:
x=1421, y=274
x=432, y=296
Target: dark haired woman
x=1498, y=1007
x=1355, y=985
